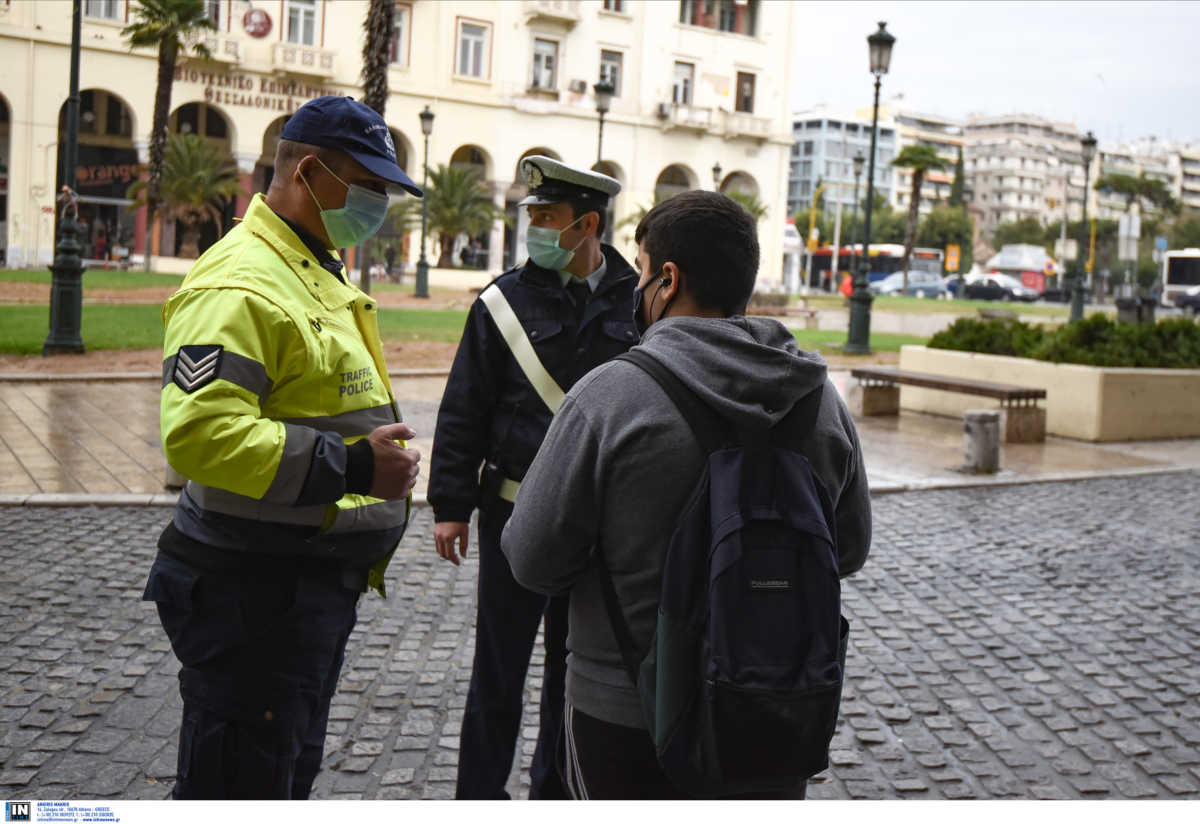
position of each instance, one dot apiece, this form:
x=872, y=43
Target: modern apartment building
x=1189, y=177
x=1022, y=166
x=701, y=86
x=825, y=143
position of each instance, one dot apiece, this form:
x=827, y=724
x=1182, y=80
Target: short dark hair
x=289, y=153
x=714, y=242
x=583, y=206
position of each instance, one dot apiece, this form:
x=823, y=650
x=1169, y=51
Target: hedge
x=1096, y=341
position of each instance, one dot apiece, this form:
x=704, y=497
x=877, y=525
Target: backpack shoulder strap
x=703, y=421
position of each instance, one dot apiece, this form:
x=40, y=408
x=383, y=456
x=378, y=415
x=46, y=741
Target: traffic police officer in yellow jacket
x=276, y=406
x=530, y=335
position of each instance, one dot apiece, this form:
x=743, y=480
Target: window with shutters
x=301, y=16
x=745, y=93
x=103, y=9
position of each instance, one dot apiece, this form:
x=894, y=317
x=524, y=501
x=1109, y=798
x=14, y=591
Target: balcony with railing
x=685, y=116
x=223, y=48
x=294, y=58
x=562, y=12
x=743, y=124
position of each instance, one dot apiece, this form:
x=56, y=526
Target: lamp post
x=604, y=95
x=422, y=289
x=968, y=196
x=859, y=160
x=66, y=284
x=858, y=340
x=1087, y=150
x=717, y=172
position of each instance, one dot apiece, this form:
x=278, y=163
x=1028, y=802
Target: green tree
x=1026, y=230
x=1141, y=189
x=170, y=26
x=197, y=182
x=920, y=159
x=458, y=202
x=376, y=54
x=946, y=225
x=1186, y=232
x=960, y=180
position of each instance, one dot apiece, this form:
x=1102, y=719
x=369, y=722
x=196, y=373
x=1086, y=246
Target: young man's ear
x=671, y=280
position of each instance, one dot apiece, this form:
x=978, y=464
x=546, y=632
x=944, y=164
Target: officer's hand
x=396, y=468
x=446, y=535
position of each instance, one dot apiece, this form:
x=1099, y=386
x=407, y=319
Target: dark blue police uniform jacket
x=490, y=413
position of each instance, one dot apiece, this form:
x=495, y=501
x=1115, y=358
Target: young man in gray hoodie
x=619, y=463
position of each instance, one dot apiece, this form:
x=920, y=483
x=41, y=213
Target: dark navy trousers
x=260, y=656
x=506, y=625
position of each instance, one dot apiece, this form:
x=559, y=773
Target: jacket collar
x=261, y=221
x=617, y=270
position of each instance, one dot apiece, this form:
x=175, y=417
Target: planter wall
x=1085, y=402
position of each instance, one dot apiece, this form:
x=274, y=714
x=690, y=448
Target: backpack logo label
x=777, y=584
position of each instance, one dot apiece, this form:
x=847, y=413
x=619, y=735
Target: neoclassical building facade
x=701, y=100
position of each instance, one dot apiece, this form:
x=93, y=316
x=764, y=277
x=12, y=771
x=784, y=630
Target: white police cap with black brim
x=552, y=181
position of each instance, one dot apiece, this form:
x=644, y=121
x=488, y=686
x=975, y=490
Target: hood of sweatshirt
x=746, y=369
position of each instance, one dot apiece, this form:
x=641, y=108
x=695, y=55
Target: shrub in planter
x=1096, y=341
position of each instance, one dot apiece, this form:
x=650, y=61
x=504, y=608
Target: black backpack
x=742, y=681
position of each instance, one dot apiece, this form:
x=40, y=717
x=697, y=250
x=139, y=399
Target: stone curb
x=41, y=377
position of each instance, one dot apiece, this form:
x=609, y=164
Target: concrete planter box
x=1089, y=403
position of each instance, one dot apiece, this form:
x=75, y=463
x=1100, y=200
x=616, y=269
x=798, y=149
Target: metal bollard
x=981, y=440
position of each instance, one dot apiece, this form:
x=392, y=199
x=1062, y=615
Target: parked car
x=1189, y=301
x=920, y=284
x=998, y=287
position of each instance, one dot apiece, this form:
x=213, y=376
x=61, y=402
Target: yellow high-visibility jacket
x=273, y=366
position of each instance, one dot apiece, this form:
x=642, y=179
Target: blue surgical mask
x=360, y=218
x=543, y=247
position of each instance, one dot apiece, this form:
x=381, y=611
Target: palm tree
x=376, y=55
x=458, y=201
x=749, y=202
x=403, y=215
x=198, y=180
x=171, y=25
x=920, y=159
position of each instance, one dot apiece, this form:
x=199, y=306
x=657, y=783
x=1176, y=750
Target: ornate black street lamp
x=858, y=341
x=66, y=283
x=859, y=160
x=604, y=95
x=717, y=172
x=1087, y=150
x=422, y=288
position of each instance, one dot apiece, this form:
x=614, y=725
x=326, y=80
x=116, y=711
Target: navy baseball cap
x=343, y=123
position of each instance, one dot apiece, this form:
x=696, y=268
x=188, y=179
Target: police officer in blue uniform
x=529, y=337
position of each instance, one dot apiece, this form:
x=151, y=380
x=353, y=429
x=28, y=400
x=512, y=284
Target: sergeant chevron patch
x=196, y=366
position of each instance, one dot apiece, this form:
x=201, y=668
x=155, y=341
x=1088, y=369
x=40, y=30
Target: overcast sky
x=1122, y=69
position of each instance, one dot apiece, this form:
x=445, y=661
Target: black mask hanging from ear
x=640, y=324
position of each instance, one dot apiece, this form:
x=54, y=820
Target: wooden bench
x=877, y=392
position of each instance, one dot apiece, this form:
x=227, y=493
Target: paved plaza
x=1027, y=641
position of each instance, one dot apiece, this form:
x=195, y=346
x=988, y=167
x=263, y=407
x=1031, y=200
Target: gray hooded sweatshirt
x=619, y=463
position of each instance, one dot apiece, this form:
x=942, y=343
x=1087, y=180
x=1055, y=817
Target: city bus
x=1181, y=271
x=886, y=259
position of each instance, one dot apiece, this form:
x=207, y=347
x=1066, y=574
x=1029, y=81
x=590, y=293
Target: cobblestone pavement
x=1031, y=641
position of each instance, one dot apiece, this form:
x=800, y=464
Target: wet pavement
x=102, y=438
x=1028, y=641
